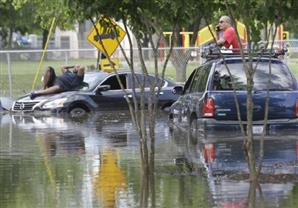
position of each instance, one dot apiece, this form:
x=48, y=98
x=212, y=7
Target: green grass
x=294, y=69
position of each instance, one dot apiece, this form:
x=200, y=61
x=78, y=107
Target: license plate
x=257, y=129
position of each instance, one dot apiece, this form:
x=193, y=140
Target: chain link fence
x=18, y=68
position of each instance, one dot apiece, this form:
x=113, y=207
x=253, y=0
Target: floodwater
x=60, y=162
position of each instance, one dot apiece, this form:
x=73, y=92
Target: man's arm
x=220, y=42
x=65, y=69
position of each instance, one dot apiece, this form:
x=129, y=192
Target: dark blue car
x=208, y=104
x=101, y=92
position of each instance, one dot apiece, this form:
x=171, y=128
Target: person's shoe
x=33, y=95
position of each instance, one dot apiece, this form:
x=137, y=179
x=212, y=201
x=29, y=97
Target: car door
x=178, y=109
x=195, y=90
x=139, y=82
x=198, y=88
x=114, y=98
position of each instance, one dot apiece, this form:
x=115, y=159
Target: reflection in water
x=50, y=144
x=254, y=189
x=96, y=163
x=228, y=173
x=109, y=180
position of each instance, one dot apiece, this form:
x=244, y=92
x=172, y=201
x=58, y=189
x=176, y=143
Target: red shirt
x=230, y=38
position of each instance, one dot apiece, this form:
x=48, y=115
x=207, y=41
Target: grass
x=294, y=69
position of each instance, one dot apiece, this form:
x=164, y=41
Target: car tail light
x=297, y=108
x=208, y=108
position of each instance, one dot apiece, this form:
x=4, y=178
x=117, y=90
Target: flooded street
x=95, y=162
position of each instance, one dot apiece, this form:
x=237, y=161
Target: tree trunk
x=145, y=189
x=180, y=58
x=249, y=139
x=45, y=34
x=9, y=43
x=181, y=74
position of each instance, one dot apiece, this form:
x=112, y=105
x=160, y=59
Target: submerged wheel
x=78, y=112
x=166, y=108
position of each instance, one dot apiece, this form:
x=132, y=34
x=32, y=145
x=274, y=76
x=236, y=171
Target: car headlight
x=54, y=104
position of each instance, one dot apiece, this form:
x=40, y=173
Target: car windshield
x=281, y=78
x=91, y=80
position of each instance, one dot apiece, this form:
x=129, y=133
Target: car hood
x=42, y=98
x=25, y=104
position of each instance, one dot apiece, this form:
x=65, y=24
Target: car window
x=200, y=79
x=149, y=81
x=113, y=82
x=281, y=78
x=91, y=82
x=189, y=81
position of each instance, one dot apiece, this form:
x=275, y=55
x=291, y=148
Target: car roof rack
x=216, y=52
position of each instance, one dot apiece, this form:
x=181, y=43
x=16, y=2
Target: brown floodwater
x=95, y=162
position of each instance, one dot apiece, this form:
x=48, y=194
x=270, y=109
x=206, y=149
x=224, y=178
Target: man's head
x=224, y=23
x=49, y=77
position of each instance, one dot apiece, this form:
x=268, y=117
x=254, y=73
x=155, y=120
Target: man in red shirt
x=227, y=35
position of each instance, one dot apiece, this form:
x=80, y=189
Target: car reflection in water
x=224, y=164
x=226, y=159
x=98, y=130
x=54, y=134
x=68, y=144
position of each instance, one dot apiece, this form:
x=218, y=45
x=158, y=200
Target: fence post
x=66, y=57
x=9, y=74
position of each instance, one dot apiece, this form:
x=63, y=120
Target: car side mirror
x=177, y=90
x=102, y=88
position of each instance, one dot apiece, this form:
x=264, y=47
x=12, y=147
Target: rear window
x=281, y=78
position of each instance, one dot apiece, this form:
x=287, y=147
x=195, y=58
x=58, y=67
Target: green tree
x=33, y=16
x=47, y=10
x=15, y=19
x=192, y=18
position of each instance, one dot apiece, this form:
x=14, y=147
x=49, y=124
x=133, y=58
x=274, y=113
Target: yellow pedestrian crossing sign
x=107, y=35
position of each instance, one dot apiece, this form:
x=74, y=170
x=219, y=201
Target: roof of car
x=121, y=71
x=107, y=73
